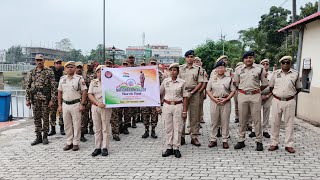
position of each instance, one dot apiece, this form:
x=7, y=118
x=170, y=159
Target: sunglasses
x=153, y=63
x=58, y=62
x=39, y=60
x=70, y=67
x=285, y=62
x=265, y=64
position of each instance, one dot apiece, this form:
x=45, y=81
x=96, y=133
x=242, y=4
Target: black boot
x=38, y=140
x=239, y=145
x=153, y=134
x=134, y=123
x=252, y=134
x=125, y=129
x=45, y=139
x=167, y=153
x=62, y=130
x=82, y=138
x=91, y=132
x=259, y=146
x=177, y=153
x=52, y=131
x=96, y=152
x=146, y=133
x=116, y=137
x=104, y=152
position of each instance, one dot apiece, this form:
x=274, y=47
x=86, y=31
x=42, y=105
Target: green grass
x=13, y=77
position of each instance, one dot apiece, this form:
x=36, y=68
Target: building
x=308, y=64
x=49, y=54
x=139, y=52
x=3, y=55
x=165, y=54
x=118, y=54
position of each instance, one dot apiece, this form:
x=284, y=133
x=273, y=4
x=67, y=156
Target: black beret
x=219, y=63
x=248, y=53
x=188, y=53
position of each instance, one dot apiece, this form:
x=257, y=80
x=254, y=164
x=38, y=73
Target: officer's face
x=98, y=73
x=174, y=72
x=248, y=61
x=190, y=59
x=57, y=64
x=90, y=67
x=79, y=70
x=265, y=65
x=225, y=60
x=108, y=64
x=40, y=63
x=285, y=65
x=221, y=70
x=131, y=60
x=197, y=62
x=70, y=69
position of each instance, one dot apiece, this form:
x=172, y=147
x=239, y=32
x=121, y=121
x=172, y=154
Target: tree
x=308, y=10
x=97, y=54
x=64, y=45
x=15, y=55
x=76, y=55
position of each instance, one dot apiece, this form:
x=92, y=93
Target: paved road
x=137, y=158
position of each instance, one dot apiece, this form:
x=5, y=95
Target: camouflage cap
x=90, y=62
x=222, y=57
x=57, y=60
x=39, y=56
x=78, y=64
x=72, y=63
x=124, y=62
x=131, y=56
x=142, y=63
x=285, y=58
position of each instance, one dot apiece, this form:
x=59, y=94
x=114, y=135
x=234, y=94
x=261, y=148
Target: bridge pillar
x=1, y=81
x=24, y=80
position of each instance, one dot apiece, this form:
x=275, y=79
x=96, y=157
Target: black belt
x=283, y=99
x=71, y=102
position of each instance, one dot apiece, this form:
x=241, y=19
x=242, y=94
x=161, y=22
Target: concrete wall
x=309, y=103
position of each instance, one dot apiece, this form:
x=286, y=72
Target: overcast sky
x=178, y=23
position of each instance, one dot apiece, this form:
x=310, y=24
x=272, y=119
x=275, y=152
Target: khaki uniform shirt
x=71, y=88
x=95, y=89
x=193, y=76
x=285, y=85
x=228, y=73
x=221, y=86
x=267, y=89
x=173, y=90
x=205, y=76
x=249, y=78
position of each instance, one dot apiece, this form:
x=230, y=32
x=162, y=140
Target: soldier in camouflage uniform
x=139, y=117
x=151, y=112
x=41, y=93
x=90, y=75
x=58, y=72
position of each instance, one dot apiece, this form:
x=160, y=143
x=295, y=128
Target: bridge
x=16, y=67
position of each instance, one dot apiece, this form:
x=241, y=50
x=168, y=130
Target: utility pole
x=222, y=38
x=294, y=15
x=104, y=31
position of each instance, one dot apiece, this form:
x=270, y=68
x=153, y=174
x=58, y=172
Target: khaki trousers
x=220, y=115
x=101, y=123
x=287, y=109
x=201, y=106
x=266, y=105
x=172, y=117
x=72, y=122
x=194, y=115
x=252, y=104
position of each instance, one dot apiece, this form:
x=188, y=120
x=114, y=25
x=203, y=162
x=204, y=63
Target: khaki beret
x=90, y=62
x=264, y=60
x=197, y=59
x=78, y=64
x=100, y=67
x=174, y=65
x=153, y=60
x=72, y=63
x=239, y=64
x=39, y=56
x=222, y=57
x=285, y=58
x=57, y=60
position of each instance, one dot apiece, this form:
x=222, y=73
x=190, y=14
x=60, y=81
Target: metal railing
x=15, y=67
x=18, y=108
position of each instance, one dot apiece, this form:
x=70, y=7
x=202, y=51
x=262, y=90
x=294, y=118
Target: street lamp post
x=113, y=52
x=104, y=31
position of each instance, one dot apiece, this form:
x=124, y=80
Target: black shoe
x=125, y=130
x=38, y=140
x=104, y=152
x=96, y=152
x=45, y=140
x=266, y=134
x=177, y=153
x=153, y=134
x=146, y=134
x=52, y=131
x=239, y=145
x=91, y=132
x=62, y=130
x=236, y=120
x=219, y=132
x=252, y=134
x=249, y=128
x=167, y=153
x=82, y=138
x=116, y=137
x=259, y=146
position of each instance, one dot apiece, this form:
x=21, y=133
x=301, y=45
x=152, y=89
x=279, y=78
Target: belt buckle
x=283, y=99
x=248, y=92
x=172, y=103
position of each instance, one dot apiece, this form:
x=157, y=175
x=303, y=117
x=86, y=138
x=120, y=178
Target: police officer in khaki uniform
x=174, y=95
x=72, y=96
x=235, y=98
x=220, y=89
x=285, y=84
x=193, y=75
x=100, y=116
x=250, y=79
